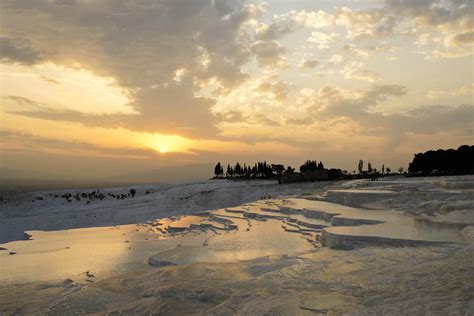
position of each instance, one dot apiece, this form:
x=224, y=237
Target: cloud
x=362, y=74
x=278, y=89
x=142, y=45
x=461, y=39
x=49, y=80
x=311, y=19
x=232, y=116
x=436, y=119
x=309, y=63
x=20, y=142
x=180, y=117
x=323, y=40
x=238, y=117
x=336, y=59
x=19, y=51
x=292, y=21
x=354, y=104
x=368, y=51
x=332, y=113
x=459, y=91
x=372, y=23
x=454, y=15
x=265, y=94
x=363, y=109
x=268, y=53
x=187, y=68
x=452, y=21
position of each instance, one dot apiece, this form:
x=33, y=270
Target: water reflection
x=257, y=230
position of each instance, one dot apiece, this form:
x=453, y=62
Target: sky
x=94, y=89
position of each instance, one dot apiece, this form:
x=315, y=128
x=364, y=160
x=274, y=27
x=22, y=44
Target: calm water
x=105, y=251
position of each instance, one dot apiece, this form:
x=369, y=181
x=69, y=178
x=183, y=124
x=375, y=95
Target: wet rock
x=159, y=263
x=68, y=281
x=315, y=310
x=234, y=210
x=343, y=221
x=176, y=229
x=348, y=242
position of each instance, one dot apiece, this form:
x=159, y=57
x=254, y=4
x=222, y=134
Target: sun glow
x=166, y=143
x=61, y=87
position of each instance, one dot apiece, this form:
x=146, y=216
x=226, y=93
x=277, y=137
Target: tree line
x=260, y=170
x=439, y=162
x=444, y=162
x=310, y=170
x=371, y=170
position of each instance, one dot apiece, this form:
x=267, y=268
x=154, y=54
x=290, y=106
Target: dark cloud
x=269, y=53
x=453, y=17
x=435, y=12
x=439, y=118
x=462, y=39
x=338, y=104
x=310, y=64
x=18, y=51
x=422, y=120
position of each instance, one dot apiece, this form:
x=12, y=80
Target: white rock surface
x=55, y=213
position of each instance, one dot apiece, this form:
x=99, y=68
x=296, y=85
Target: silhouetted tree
x=335, y=173
x=361, y=166
x=237, y=169
x=383, y=168
x=133, y=192
x=230, y=171
x=278, y=169
x=218, y=170
x=460, y=161
x=400, y=170
x=369, y=167
x=254, y=171
x=388, y=170
x=309, y=165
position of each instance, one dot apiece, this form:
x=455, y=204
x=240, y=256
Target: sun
x=166, y=144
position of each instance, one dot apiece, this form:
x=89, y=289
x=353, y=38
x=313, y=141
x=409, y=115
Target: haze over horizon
x=99, y=89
